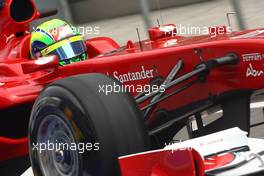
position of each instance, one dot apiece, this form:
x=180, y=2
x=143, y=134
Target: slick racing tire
x=77, y=130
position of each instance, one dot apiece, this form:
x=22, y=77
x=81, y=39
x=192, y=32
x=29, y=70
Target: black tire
x=75, y=109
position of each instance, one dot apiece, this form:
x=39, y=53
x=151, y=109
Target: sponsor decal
x=252, y=57
x=47, y=50
x=253, y=72
x=61, y=32
x=142, y=74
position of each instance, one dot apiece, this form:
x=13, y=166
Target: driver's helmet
x=56, y=37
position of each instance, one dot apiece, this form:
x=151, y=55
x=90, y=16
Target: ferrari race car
x=120, y=100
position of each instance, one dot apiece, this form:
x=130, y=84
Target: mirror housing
x=167, y=30
x=40, y=64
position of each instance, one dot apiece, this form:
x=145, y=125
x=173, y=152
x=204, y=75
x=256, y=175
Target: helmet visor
x=66, y=48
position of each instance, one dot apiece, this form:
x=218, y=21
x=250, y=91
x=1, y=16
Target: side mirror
x=167, y=30
x=40, y=64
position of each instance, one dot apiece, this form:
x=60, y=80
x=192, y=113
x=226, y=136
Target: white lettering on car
x=252, y=57
x=253, y=72
x=134, y=76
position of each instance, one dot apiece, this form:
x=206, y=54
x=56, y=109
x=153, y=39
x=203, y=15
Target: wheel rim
x=58, y=158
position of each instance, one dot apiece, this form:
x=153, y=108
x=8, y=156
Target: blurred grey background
x=119, y=19
x=82, y=11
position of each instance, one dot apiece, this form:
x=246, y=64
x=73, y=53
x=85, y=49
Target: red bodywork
x=180, y=162
x=21, y=79
x=163, y=163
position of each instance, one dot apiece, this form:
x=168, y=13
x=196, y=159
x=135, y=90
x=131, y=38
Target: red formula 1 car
x=171, y=78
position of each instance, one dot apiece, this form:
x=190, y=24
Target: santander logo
x=141, y=74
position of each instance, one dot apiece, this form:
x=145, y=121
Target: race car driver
x=56, y=37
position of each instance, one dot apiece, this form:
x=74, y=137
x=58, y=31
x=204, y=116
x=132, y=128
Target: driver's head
x=56, y=37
